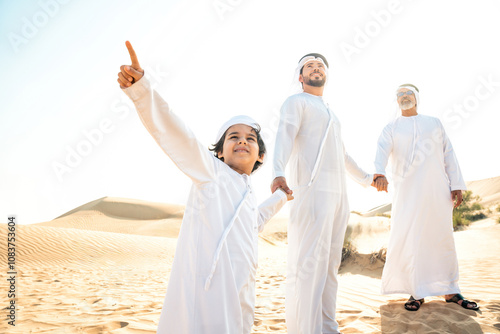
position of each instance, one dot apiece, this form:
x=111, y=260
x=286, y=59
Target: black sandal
x=465, y=303
x=413, y=302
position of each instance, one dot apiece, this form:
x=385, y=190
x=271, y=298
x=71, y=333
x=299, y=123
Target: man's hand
x=380, y=182
x=456, y=196
x=129, y=75
x=280, y=182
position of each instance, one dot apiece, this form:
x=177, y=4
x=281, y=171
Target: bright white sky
x=60, y=63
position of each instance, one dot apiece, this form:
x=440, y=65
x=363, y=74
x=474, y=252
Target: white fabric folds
x=309, y=141
x=211, y=288
x=421, y=256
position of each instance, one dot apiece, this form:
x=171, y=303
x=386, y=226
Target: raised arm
x=169, y=131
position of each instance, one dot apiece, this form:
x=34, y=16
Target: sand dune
x=368, y=234
x=129, y=209
x=51, y=246
x=488, y=189
x=104, y=268
x=77, y=281
x=121, y=215
x=379, y=210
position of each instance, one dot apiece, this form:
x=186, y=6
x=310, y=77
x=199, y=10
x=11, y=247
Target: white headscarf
x=296, y=84
x=414, y=90
x=398, y=111
x=240, y=119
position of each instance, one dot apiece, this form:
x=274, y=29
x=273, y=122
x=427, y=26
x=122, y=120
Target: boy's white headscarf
x=240, y=119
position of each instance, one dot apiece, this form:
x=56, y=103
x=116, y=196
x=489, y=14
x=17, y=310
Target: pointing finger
x=133, y=56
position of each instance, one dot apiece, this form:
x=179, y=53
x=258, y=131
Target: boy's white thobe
x=309, y=135
x=421, y=256
x=212, y=284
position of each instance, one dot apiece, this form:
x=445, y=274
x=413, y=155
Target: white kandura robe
x=421, y=256
x=212, y=284
x=309, y=135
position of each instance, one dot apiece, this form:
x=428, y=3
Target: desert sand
x=487, y=189
x=104, y=267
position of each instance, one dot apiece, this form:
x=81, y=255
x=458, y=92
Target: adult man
x=421, y=257
x=309, y=135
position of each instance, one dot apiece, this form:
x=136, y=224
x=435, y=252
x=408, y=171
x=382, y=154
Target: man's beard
x=315, y=82
x=407, y=104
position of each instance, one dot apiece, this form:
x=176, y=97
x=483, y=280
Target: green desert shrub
x=459, y=220
x=467, y=212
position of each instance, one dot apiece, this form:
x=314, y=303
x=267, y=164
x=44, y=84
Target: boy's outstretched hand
x=289, y=197
x=130, y=74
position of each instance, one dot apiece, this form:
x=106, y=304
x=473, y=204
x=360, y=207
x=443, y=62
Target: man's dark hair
x=316, y=55
x=217, y=147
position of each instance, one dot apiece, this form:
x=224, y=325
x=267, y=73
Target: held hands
x=280, y=182
x=129, y=75
x=456, y=196
x=380, y=182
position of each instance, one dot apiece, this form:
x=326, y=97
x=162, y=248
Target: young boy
x=212, y=283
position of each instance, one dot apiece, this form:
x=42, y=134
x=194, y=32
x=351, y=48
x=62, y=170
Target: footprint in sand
x=349, y=311
x=495, y=307
x=257, y=322
x=105, y=328
x=274, y=321
x=275, y=328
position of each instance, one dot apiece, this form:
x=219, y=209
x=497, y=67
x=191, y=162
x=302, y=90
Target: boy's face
x=241, y=150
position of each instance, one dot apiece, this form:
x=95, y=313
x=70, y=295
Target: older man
x=421, y=256
x=309, y=136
